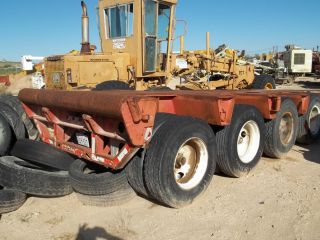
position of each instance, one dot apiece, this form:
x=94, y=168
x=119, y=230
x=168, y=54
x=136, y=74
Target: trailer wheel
x=5, y=136
x=92, y=179
x=134, y=169
x=264, y=82
x=309, y=124
x=14, y=120
x=16, y=105
x=180, y=161
x=281, y=133
x=11, y=200
x=240, y=145
x=34, y=179
x=112, y=85
x=108, y=200
x=42, y=153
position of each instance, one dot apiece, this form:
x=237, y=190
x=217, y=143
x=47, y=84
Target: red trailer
x=182, y=134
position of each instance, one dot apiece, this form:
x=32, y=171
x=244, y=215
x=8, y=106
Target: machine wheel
x=5, y=136
x=92, y=179
x=281, y=133
x=112, y=85
x=264, y=82
x=240, y=145
x=14, y=120
x=34, y=179
x=117, y=198
x=42, y=153
x=16, y=105
x=11, y=200
x=159, y=89
x=309, y=124
x=180, y=161
x=134, y=170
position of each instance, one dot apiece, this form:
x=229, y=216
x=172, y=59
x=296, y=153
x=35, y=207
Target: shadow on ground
x=311, y=152
x=86, y=233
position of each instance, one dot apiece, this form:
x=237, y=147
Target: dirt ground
x=280, y=199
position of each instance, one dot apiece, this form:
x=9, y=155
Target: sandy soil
x=278, y=200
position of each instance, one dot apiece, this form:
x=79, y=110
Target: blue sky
x=45, y=27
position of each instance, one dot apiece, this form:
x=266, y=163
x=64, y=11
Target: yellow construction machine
x=136, y=52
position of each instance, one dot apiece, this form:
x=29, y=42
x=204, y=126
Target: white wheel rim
x=286, y=128
x=248, y=142
x=314, y=120
x=191, y=163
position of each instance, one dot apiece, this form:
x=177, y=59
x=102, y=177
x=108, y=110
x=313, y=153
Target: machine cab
x=141, y=28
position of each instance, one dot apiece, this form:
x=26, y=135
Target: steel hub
x=191, y=163
x=314, y=120
x=286, y=128
x=248, y=142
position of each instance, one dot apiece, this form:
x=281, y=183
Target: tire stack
x=27, y=172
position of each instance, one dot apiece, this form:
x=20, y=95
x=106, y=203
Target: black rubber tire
x=134, y=169
x=15, y=104
x=92, y=179
x=11, y=200
x=274, y=148
x=112, y=85
x=40, y=152
x=160, y=159
x=6, y=137
x=305, y=136
x=14, y=120
x=261, y=81
x=108, y=200
x=228, y=159
x=19, y=175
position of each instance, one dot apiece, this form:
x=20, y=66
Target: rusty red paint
x=5, y=80
x=59, y=114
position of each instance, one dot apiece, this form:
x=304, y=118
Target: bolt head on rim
x=286, y=128
x=248, y=142
x=191, y=163
x=314, y=120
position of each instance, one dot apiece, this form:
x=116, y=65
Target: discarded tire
x=240, y=145
x=42, y=153
x=33, y=179
x=264, y=82
x=309, y=123
x=180, y=161
x=281, y=133
x=14, y=121
x=16, y=105
x=108, y=200
x=134, y=169
x=112, y=85
x=11, y=200
x=5, y=136
x=92, y=179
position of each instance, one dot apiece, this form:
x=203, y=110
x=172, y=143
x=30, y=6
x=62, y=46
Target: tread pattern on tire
x=272, y=146
x=100, y=181
x=6, y=137
x=160, y=147
x=15, y=104
x=228, y=159
x=108, y=200
x=14, y=120
x=11, y=200
x=134, y=169
x=111, y=85
x=16, y=174
x=40, y=152
x=304, y=135
x=261, y=81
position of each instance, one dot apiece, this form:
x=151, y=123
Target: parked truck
x=137, y=52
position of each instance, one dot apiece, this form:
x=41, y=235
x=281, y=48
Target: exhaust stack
x=85, y=49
